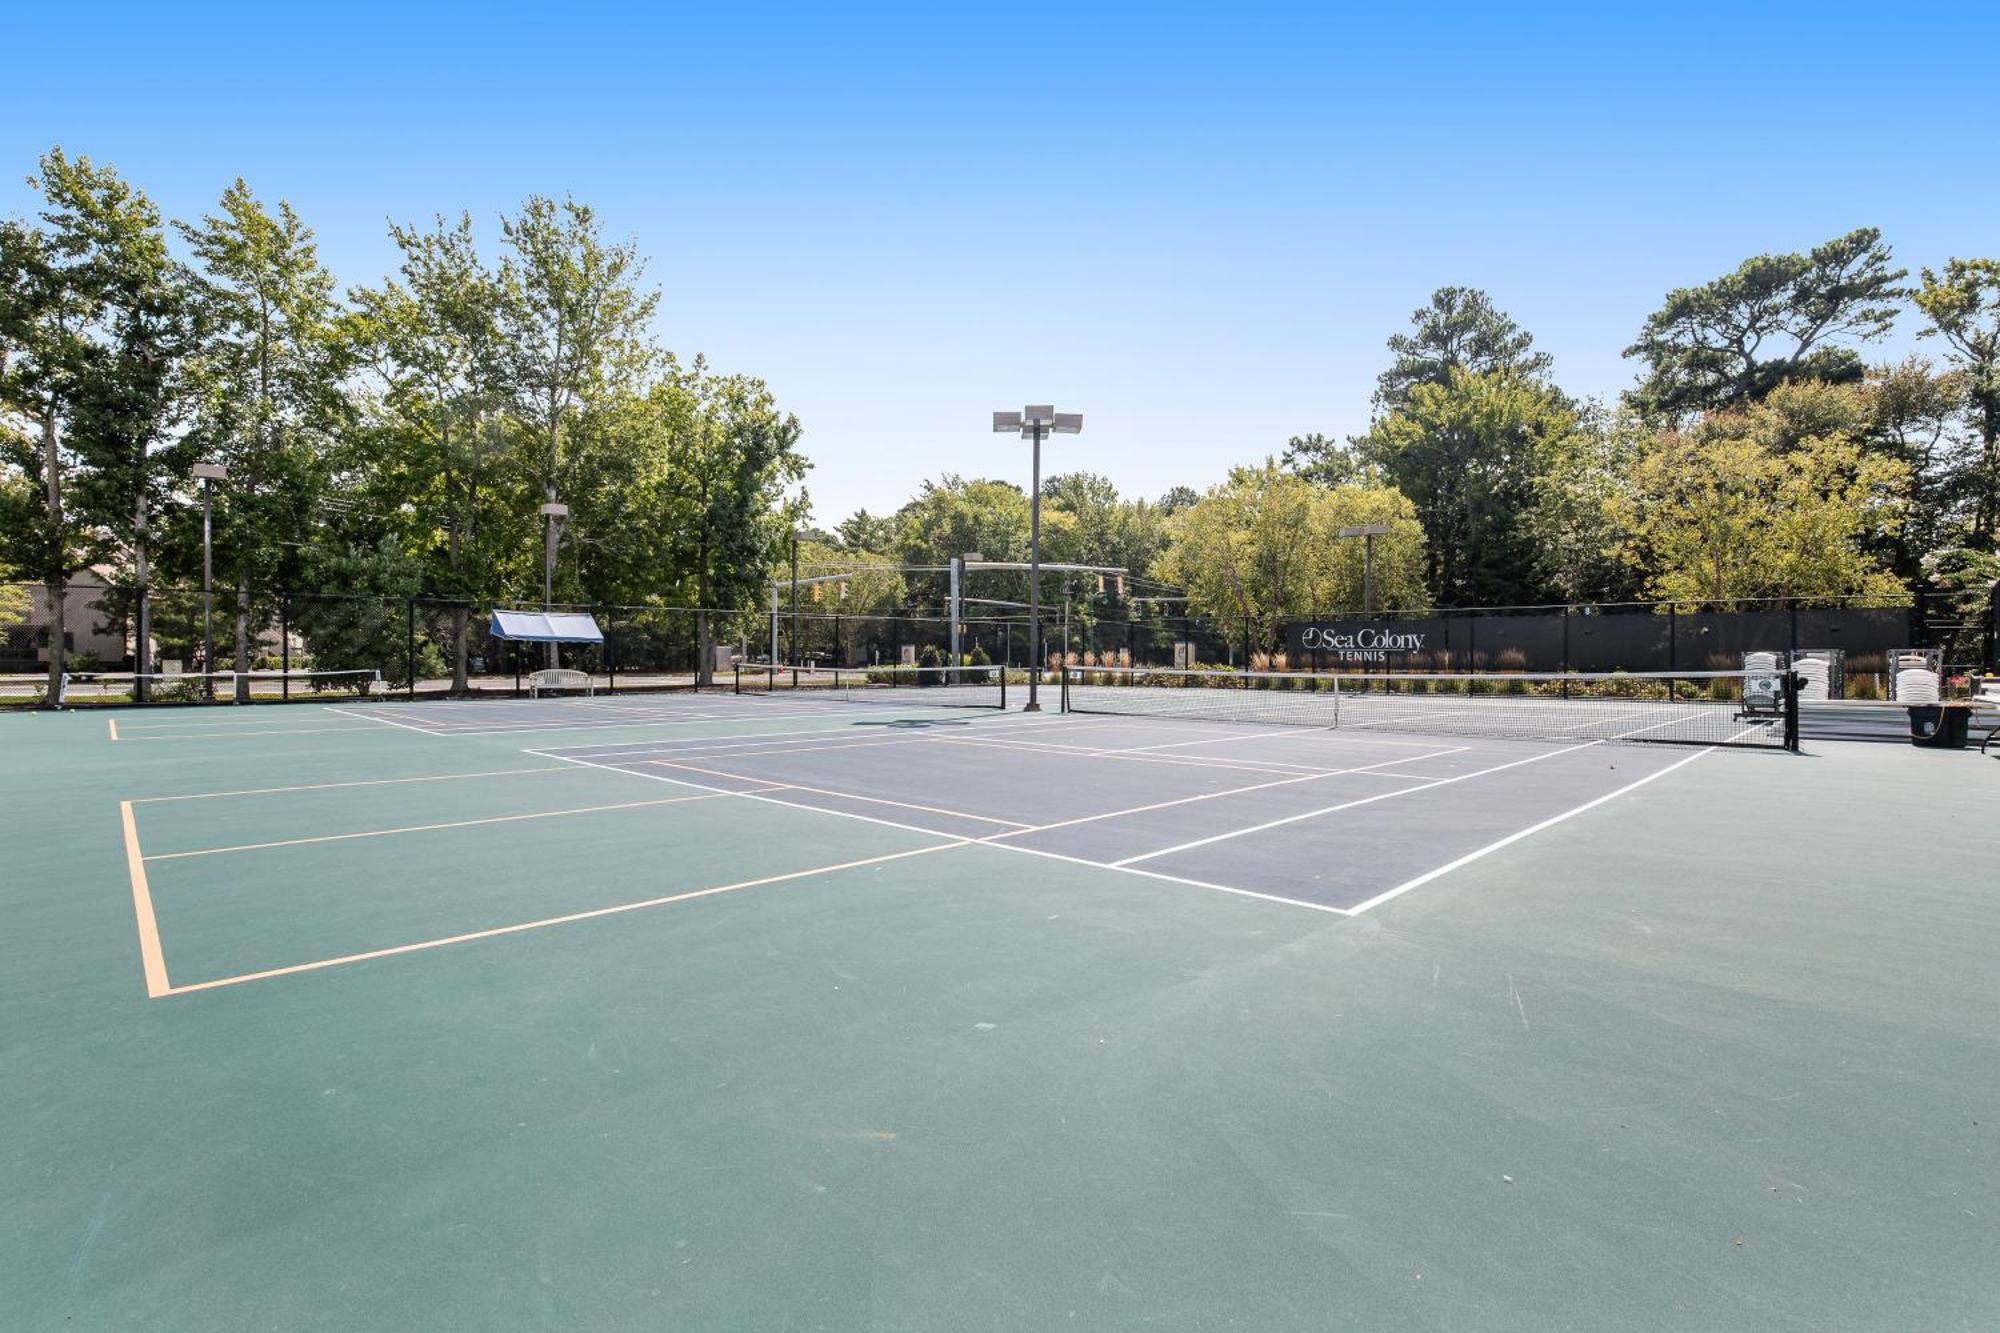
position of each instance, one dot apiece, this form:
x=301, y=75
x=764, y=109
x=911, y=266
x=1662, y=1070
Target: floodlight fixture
x=1364, y=530
x=210, y=472
x=1036, y=422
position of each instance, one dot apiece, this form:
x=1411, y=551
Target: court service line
x=647, y=749
x=417, y=828
x=759, y=795
x=112, y=723
x=152, y=962
x=1295, y=733
x=1349, y=805
x=760, y=745
x=1512, y=838
x=1224, y=765
x=594, y=913
x=389, y=722
x=1212, y=796
x=566, y=727
x=1160, y=875
x=777, y=784
x=365, y=782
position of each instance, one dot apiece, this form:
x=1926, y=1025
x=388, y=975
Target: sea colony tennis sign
x=1349, y=642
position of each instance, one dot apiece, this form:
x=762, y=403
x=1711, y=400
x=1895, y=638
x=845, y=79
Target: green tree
x=1262, y=547
x=1459, y=330
x=1328, y=461
x=863, y=531
x=1911, y=413
x=953, y=515
x=1737, y=507
x=1963, y=306
x=1469, y=453
x=1784, y=317
x=1573, y=521
x=573, y=337
x=267, y=378
x=430, y=339
x=719, y=485
x=93, y=322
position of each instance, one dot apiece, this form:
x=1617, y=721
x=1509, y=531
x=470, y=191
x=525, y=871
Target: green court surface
x=365, y=1019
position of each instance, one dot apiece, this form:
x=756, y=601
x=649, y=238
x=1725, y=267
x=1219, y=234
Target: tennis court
x=792, y=1007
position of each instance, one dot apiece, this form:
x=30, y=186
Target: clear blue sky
x=1194, y=224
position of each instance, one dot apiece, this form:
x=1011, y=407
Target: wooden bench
x=560, y=678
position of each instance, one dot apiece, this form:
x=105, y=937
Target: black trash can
x=1939, y=726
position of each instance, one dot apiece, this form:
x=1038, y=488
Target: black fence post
x=285, y=647
x=1565, y=656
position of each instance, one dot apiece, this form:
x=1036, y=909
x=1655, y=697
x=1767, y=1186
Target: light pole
x=1034, y=423
x=208, y=474
x=1367, y=532
x=553, y=514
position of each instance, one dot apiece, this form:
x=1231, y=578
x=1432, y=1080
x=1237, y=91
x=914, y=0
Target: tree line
x=1760, y=455
x=398, y=439
x=401, y=439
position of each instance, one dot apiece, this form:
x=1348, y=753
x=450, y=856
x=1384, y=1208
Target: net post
x=410, y=643
x=285, y=647
x=737, y=683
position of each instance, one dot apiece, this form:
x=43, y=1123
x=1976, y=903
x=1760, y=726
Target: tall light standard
x=554, y=514
x=208, y=474
x=1034, y=423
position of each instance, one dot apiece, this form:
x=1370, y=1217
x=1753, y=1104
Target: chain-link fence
x=423, y=647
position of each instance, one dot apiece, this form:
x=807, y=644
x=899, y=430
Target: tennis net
x=1689, y=708
x=221, y=687
x=908, y=686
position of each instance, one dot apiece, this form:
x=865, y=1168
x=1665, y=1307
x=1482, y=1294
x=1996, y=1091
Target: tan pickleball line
x=151, y=959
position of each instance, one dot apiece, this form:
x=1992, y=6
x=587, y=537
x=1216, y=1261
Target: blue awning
x=546, y=627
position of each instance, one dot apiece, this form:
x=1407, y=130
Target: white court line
x=567, y=919
x=1213, y=795
x=417, y=828
x=958, y=841
x=388, y=722
x=1348, y=805
x=1511, y=838
x=365, y=782
x=1276, y=730
x=648, y=749
x=1296, y=733
x=459, y=732
x=112, y=723
x=780, y=784
x=1072, y=751
x=1155, y=874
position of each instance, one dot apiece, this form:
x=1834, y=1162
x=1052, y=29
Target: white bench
x=559, y=678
